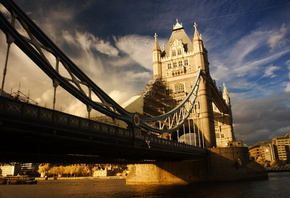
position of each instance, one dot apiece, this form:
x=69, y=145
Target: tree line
x=76, y=170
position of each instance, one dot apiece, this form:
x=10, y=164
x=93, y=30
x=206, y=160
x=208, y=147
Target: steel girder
x=35, y=48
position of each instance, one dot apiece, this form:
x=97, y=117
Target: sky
x=248, y=43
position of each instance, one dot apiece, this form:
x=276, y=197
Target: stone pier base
x=221, y=164
x=182, y=172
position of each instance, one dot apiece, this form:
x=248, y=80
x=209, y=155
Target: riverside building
x=282, y=143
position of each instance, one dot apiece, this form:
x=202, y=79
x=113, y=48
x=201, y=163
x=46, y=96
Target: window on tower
x=216, y=123
x=196, y=107
x=179, y=63
x=173, y=53
x=179, y=88
x=169, y=65
x=174, y=64
x=217, y=135
x=185, y=62
x=179, y=52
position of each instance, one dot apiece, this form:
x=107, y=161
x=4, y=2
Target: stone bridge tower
x=175, y=68
x=177, y=65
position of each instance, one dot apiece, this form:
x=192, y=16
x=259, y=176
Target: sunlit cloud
x=138, y=48
x=278, y=37
x=88, y=42
x=269, y=72
x=133, y=76
x=118, y=95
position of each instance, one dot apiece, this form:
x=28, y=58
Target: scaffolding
x=157, y=100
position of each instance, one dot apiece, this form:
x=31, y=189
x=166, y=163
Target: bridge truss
x=24, y=33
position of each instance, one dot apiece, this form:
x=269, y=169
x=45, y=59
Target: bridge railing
x=18, y=111
x=14, y=109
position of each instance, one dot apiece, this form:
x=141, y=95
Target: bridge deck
x=33, y=133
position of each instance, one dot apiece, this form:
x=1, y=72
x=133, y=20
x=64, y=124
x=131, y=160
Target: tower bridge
x=181, y=123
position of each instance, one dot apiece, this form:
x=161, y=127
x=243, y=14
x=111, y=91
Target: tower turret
x=156, y=56
x=204, y=92
x=226, y=96
x=199, y=50
x=197, y=40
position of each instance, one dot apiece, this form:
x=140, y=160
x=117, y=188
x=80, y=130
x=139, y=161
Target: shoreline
x=278, y=169
x=75, y=178
x=270, y=171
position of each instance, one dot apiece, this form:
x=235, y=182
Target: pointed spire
x=225, y=88
x=198, y=45
x=195, y=26
x=156, y=57
x=156, y=45
x=226, y=96
x=155, y=36
x=177, y=25
x=196, y=35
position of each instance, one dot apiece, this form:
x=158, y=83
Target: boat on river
x=18, y=180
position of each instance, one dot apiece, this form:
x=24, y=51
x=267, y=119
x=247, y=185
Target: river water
x=278, y=186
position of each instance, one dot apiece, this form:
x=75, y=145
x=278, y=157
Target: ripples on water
x=276, y=187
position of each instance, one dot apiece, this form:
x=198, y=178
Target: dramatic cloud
x=261, y=89
x=87, y=42
x=251, y=61
x=262, y=118
x=243, y=64
x=138, y=48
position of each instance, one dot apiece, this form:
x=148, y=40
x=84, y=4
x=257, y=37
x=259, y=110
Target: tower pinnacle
x=195, y=26
x=226, y=95
x=156, y=55
x=177, y=25
x=155, y=36
x=196, y=35
x=156, y=45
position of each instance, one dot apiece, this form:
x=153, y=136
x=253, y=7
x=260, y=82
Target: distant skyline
x=248, y=43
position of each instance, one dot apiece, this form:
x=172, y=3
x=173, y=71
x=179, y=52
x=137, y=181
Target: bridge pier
x=221, y=164
x=182, y=172
x=233, y=164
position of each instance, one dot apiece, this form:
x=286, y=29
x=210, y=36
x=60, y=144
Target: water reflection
x=275, y=187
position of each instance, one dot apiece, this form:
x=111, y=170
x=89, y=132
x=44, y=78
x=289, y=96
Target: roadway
x=31, y=133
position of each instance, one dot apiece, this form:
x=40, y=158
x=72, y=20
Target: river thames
x=277, y=186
